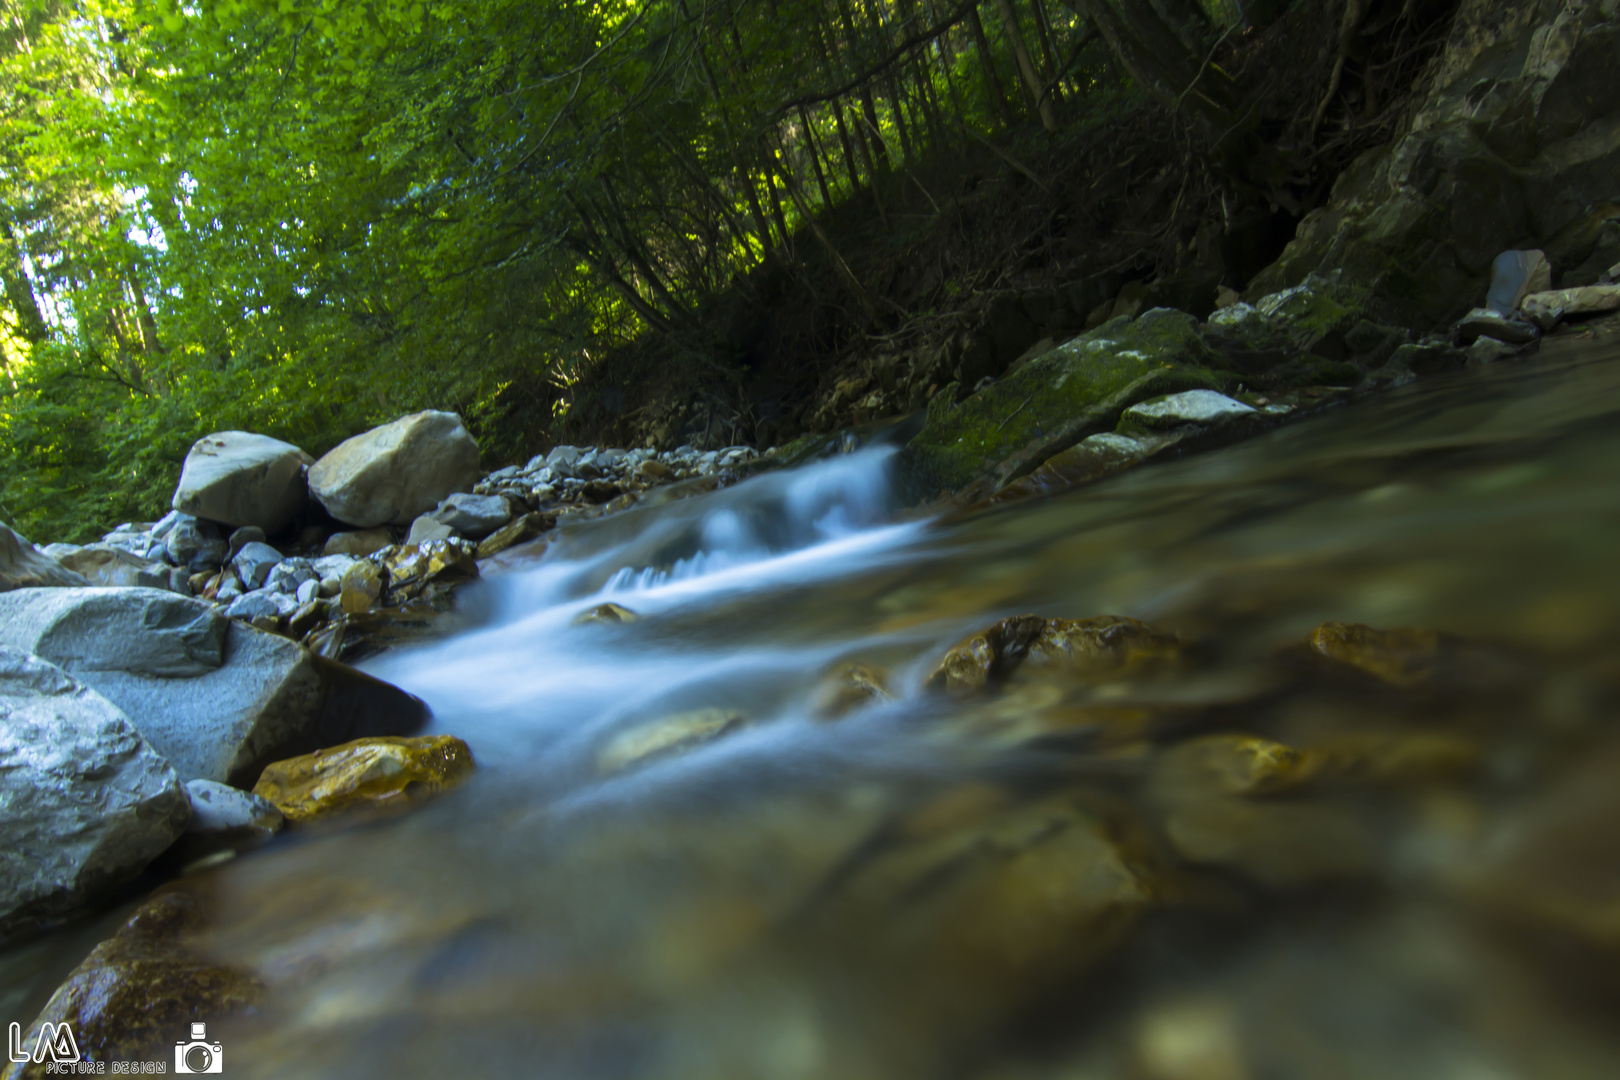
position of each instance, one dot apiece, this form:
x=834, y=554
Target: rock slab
x=238, y=478
x=392, y=474
x=265, y=700
x=85, y=802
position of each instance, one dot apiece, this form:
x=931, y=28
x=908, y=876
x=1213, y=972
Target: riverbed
x=734, y=827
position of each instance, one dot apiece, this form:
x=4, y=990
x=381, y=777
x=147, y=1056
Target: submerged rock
x=1104, y=646
x=394, y=473
x=667, y=737
x=24, y=566
x=1401, y=657
x=85, y=802
x=366, y=773
x=238, y=478
x=606, y=613
x=139, y=992
x=846, y=688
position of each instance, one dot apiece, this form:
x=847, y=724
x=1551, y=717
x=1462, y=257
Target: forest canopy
x=304, y=217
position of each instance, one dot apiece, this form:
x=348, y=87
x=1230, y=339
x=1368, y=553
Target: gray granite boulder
x=394, y=473
x=143, y=631
x=85, y=802
x=239, y=478
x=265, y=699
x=472, y=516
x=23, y=566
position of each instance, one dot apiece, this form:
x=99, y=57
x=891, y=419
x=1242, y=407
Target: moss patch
x=1055, y=400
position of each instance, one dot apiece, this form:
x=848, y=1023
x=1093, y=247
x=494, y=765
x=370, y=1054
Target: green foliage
x=305, y=217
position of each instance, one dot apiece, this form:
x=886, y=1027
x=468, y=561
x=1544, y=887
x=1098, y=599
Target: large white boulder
x=85, y=802
x=240, y=478
x=394, y=473
x=216, y=715
x=23, y=566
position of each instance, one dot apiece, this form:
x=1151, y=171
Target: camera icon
x=198, y=1055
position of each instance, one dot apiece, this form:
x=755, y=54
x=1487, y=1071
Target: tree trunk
x=31, y=325
x=1026, y=66
x=987, y=62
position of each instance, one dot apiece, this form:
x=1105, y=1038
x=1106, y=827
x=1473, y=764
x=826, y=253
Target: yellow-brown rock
x=1400, y=657
x=139, y=992
x=665, y=737
x=847, y=688
x=415, y=565
x=1232, y=765
x=517, y=531
x=375, y=772
x=362, y=587
x=606, y=613
x=1085, y=649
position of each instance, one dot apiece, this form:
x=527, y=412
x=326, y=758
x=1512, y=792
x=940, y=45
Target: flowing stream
x=697, y=847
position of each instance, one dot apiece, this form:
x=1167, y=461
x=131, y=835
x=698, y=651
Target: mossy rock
x=1059, y=398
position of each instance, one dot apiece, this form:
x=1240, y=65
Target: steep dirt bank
x=981, y=258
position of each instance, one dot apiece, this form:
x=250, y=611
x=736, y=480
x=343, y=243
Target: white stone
x=1188, y=407
x=85, y=801
x=428, y=528
x=217, y=807
x=397, y=472
x=239, y=478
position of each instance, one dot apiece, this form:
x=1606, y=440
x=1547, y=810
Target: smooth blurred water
x=1036, y=884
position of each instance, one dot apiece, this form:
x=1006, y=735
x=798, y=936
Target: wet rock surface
x=367, y=774
x=138, y=993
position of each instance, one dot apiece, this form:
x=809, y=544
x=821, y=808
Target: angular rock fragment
x=472, y=516
x=412, y=567
x=238, y=478
x=366, y=773
x=24, y=566
x=394, y=473
x=361, y=588
x=85, y=801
